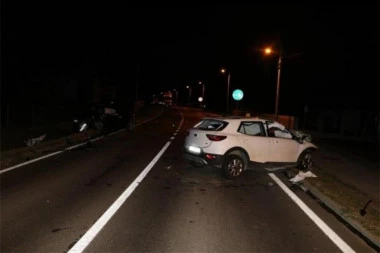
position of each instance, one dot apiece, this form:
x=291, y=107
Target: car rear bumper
x=206, y=159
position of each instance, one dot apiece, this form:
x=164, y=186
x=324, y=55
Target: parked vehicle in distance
x=90, y=119
x=233, y=143
x=104, y=119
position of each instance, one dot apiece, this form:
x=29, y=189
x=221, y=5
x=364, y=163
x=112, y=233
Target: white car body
x=248, y=137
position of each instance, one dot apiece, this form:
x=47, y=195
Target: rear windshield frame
x=211, y=125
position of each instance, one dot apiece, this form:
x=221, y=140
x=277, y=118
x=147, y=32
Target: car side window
x=252, y=128
x=276, y=132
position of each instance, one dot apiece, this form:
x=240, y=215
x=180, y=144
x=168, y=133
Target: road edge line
x=75, y=146
x=334, y=237
x=89, y=236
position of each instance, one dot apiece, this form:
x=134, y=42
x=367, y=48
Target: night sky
x=55, y=52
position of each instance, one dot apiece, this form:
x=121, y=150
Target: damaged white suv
x=233, y=143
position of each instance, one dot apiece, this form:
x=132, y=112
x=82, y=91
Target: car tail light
x=213, y=137
x=210, y=157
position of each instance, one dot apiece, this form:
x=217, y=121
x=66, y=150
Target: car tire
x=305, y=161
x=233, y=166
x=99, y=125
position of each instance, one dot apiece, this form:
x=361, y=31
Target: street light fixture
x=228, y=87
x=203, y=89
x=268, y=51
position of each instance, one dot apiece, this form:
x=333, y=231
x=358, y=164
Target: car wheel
x=99, y=125
x=304, y=161
x=233, y=166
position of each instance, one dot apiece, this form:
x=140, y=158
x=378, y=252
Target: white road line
x=172, y=138
x=175, y=134
x=75, y=146
x=119, y=131
x=96, y=139
x=343, y=246
x=102, y=221
x=72, y=147
x=28, y=162
x=99, y=224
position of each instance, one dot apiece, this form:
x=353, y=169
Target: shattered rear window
x=211, y=125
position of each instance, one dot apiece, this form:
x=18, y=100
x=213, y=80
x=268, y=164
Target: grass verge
x=347, y=202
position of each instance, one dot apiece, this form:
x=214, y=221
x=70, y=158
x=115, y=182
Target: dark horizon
x=53, y=53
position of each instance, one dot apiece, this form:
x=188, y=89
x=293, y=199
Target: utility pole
x=228, y=92
x=278, y=85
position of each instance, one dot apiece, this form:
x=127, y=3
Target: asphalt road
x=49, y=205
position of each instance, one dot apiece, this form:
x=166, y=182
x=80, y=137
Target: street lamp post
x=202, y=101
x=188, y=87
x=228, y=88
x=278, y=85
x=228, y=91
x=279, y=62
x=176, y=95
x=203, y=89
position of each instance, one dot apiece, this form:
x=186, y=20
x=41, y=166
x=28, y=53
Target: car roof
x=238, y=118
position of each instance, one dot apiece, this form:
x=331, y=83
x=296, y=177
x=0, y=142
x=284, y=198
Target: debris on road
x=33, y=141
x=301, y=176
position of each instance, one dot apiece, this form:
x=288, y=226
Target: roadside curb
x=336, y=209
x=21, y=156
x=25, y=154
